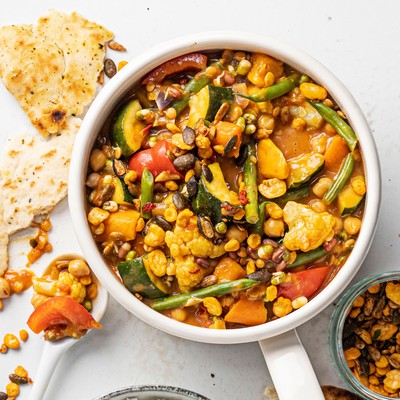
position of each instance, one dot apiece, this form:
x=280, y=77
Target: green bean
x=197, y=83
x=195, y=297
x=340, y=179
x=279, y=89
x=146, y=196
x=306, y=258
x=341, y=127
x=258, y=227
x=250, y=181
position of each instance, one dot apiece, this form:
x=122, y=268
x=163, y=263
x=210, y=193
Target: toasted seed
x=208, y=281
x=17, y=379
x=207, y=173
x=119, y=168
x=263, y=275
x=203, y=262
x=242, y=155
x=205, y=226
x=184, y=162
x=230, y=144
x=179, y=200
x=110, y=69
x=189, y=136
x=162, y=223
x=116, y=46
x=3, y=396
x=192, y=186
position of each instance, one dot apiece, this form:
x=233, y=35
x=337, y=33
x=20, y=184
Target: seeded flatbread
x=52, y=67
x=33, y=179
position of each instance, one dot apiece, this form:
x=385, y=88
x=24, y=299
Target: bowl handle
x=290, y=368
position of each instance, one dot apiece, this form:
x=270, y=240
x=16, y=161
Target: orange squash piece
x=335, y=153
x=223, y=132
x=228, y=270
x=247, y=312
x=120, y=221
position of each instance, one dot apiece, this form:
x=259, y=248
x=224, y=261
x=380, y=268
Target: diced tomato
x=62, y=310
x=304, y=283
x=192, y=61
x=156, y=160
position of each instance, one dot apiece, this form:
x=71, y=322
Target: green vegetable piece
x=147, y=186
x=341, y=178
x=279, y=89
x=348, y=200
x=296, y=194
x=303, y=168
x=121, y=193
x=138, y=278
x=195, y=297
x=250, y=181
x=199, y=81
x=127, y=130
x=306, y=258
x=258, y=227
x=341, y=127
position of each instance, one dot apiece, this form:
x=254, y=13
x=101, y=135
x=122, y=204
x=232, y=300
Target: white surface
x=359, y=45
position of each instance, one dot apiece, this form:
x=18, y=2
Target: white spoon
x=52, y=351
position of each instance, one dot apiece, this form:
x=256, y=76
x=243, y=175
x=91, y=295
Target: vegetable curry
x=227, y=189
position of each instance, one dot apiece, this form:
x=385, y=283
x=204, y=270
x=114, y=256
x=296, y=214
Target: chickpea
x=78, y=268
x=352, y=225
x=97, y=160
x=318, y=206
x=322, y=186
x=274, y=227
x=179, y=314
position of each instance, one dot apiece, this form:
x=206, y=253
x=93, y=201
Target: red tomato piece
x=192, y=61
x=156, y=160
x=62, y=310
x=304, y=283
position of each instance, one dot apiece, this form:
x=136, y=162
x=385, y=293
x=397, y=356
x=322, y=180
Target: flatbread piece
x=52, y=68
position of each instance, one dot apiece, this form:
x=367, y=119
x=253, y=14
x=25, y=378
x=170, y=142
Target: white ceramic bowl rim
x=110, y=96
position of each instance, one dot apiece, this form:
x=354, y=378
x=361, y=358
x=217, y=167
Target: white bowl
x=112, y=94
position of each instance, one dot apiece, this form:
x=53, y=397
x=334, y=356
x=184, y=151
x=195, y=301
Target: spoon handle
x=51, y=355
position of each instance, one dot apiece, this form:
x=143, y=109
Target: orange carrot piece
x=247, y=312
x=335, y=153
x=228, y=270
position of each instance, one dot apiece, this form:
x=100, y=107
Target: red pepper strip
x=156, y=160
x=185, y=62
x=62, y=310
x=304, y=283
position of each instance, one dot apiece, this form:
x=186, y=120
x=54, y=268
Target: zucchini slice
x=138, y=278
x=211, y=195
x=121, y=193
x=127, y=130
x=348, y=200
x=207, y=102
x=303, y=168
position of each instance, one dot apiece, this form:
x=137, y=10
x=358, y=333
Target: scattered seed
x=205, y=226
x=192, y=186
x=179, y=200
x=207, y=173
x=116, y=46
x=184, y=162
x=110, y=69
x=17, y=379
x=119, y=167
x=162, y=223
x=189, y=136
x=230, y=144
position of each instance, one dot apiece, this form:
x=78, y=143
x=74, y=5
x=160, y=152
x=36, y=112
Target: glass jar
x=336, y=330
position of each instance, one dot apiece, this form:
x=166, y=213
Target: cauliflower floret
x=307, y=229
x=69, y=285
x=155, y=236
x=185, y=243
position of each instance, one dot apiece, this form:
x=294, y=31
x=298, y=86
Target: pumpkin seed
x=110, y=68
x=207, y=173
x=3, y=396
x=162, y=223
x=19, y=380
x=262, y=275
x=188, y=136
x=205, y=226
x=242, y=155
x=119, y=168
x=184, y=162
x=179, y=200
x=230, y=144
x=192, y=186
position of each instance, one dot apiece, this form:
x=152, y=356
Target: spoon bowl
x=52, y=351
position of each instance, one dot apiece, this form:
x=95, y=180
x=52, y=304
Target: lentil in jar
x=226, y=190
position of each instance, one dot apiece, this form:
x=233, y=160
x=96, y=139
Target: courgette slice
x=211, y=195
x=127, y=130
x=207, y=101
x=121, y=193
x=138, y=278
x=348, y=200
x=303, y=168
